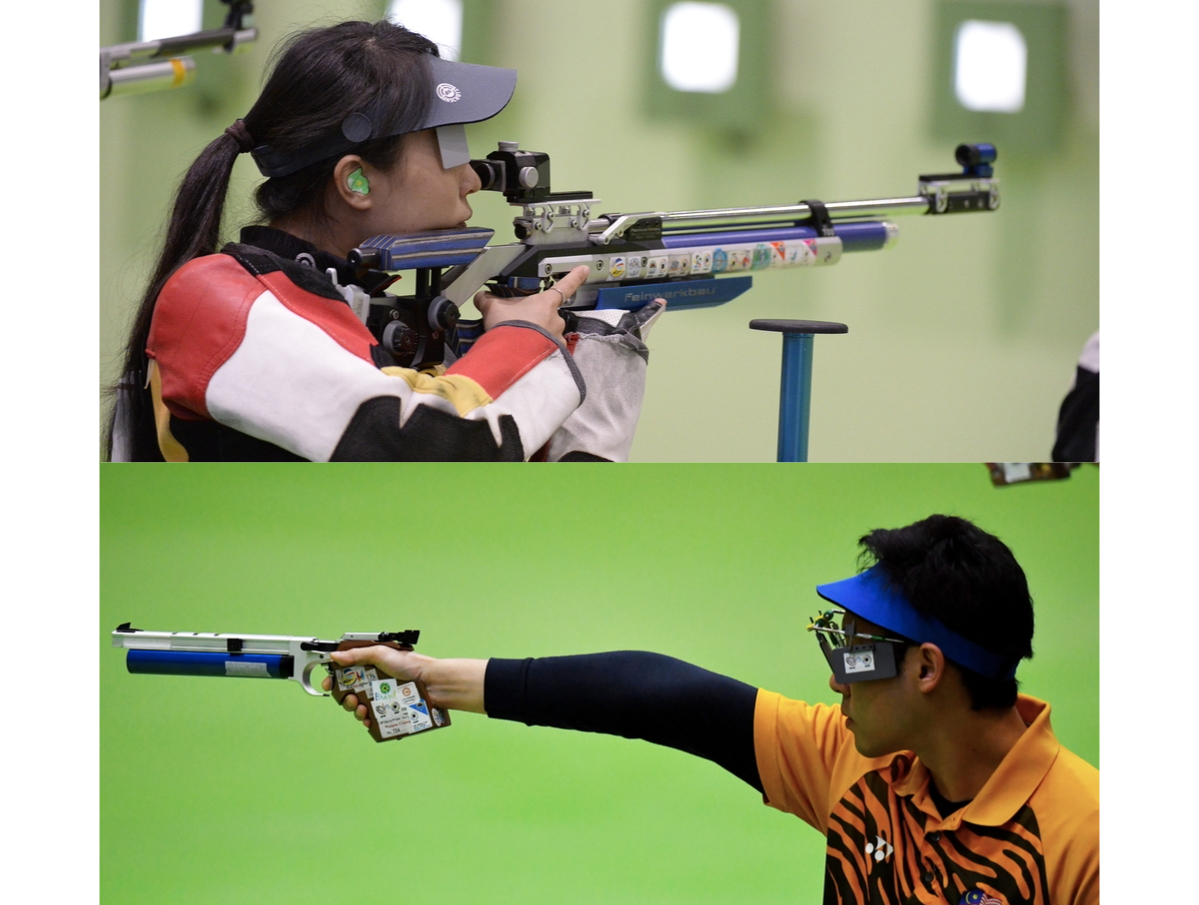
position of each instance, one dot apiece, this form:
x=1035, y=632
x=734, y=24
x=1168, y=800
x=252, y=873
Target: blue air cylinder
x=855, y=236
x=197, y=663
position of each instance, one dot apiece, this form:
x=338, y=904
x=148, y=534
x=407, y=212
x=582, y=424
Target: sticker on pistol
x=418, y=710
x=418, y=715
x=351, y=677
x=657, y=267
x=680, y=265
x=701, y=262
x=408, y=694
x=383, y=690
x=863, y=661
x=390, y=714
x=246, y=668
x=616, y=268
x=633, y=268
x=762, y=256
x=720, y=261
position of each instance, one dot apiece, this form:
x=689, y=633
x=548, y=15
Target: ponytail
x=193, y=230
x=321, y=76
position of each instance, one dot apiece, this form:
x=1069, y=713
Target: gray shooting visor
x=854, y=657
x=462, y=93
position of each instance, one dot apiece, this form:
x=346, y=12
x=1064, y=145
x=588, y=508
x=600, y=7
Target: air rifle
x=398, y=708
x=156, y=64
x=693, y=259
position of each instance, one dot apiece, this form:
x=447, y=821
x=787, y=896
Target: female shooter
x=254, y=353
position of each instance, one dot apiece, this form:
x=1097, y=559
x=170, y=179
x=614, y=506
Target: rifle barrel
x=177, y=44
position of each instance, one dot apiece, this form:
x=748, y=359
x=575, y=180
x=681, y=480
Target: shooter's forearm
x=454, y=684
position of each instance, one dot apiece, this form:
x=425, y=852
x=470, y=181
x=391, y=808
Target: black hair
x=317, y=78
x=968, y=580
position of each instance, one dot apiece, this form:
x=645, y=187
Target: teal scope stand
x=795, y=391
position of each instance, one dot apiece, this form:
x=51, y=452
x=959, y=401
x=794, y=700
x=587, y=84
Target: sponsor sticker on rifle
x=680, y=265
x=739, y=259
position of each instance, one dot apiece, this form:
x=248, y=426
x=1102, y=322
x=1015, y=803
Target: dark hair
x=969, y=581
x=318, y=78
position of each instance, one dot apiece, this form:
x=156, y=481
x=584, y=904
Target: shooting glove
x=609, y=349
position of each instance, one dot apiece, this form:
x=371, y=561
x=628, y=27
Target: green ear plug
x=358, y=183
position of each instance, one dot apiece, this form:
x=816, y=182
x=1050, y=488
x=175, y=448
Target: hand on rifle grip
x=540, y=309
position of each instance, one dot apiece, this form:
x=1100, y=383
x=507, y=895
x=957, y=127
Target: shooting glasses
x=871, y=597
x=853, y=656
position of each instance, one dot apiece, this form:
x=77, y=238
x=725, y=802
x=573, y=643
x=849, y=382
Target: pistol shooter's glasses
x=854, y=656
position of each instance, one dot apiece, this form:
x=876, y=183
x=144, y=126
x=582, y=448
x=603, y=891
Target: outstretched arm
x=451, y=684
x=629, y=693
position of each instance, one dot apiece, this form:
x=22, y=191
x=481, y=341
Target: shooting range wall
x=238, y=791
x=963, y=339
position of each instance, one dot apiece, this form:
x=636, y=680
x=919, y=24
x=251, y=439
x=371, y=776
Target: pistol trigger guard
x=306, y=680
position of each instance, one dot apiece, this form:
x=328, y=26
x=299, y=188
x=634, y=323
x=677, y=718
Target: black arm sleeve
x=633, y=694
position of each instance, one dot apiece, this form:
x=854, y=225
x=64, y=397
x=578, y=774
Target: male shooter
x=934, y=781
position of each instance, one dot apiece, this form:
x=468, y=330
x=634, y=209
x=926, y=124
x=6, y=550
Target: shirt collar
x=1009, y=787
x=293, y=248
x=285, y=245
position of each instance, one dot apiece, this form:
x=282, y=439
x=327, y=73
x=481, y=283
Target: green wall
x=243, y=792
x=963, y=338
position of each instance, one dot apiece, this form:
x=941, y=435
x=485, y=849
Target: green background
x=963, y=338
x=220, y=791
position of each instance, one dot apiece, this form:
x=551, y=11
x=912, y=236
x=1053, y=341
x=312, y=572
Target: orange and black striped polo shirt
x=1031, y=835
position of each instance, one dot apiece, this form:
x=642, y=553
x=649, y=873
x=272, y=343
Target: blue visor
x=871, y=596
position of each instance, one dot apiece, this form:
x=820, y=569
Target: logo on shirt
x=881, y=849
x=449, y=93
x=978, y=897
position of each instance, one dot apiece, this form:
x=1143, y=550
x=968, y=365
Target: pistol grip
x=398, y=708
